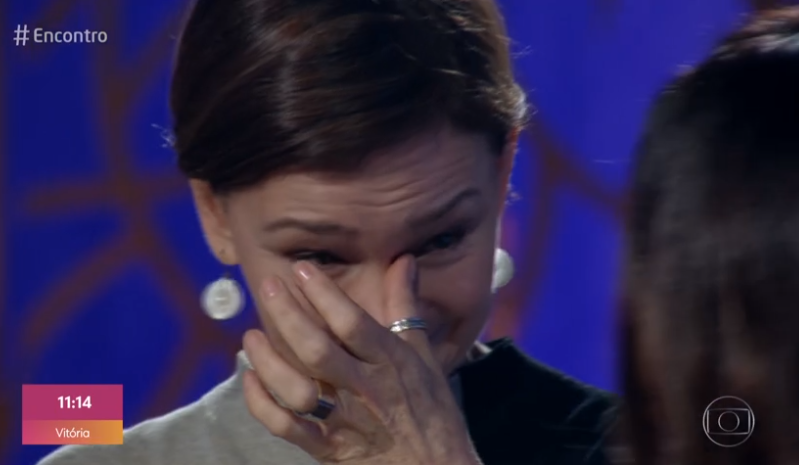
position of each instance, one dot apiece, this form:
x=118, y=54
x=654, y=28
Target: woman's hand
x=393, y=403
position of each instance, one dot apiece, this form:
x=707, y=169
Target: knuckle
x=260, y=409
x=255, y=408
x=281, y=426
x=304, y=397
x=352, y=328
x=317, y=354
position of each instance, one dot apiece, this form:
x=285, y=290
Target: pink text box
x=61, y=402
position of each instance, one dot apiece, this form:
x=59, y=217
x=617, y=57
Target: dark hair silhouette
x=267, y=86
x=712, y=272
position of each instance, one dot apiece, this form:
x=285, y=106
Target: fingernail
x=251, y=340
x=271, y=286
x=304, y=270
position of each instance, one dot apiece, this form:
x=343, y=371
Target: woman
x=353, y=158
x=713, y=264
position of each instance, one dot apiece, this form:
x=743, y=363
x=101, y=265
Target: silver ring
x=325, y=403
x=407, y=323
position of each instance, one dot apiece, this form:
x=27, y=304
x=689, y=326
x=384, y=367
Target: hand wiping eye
x=352, y=381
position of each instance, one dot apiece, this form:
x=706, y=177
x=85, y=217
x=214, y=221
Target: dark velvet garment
x=521, y=412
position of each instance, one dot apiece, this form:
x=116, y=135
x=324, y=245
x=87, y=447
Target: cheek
x=461, y=291
x=257, y=265
x=460, y=299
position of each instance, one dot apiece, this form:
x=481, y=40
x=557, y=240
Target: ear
x=505, y=167
x=214, y=221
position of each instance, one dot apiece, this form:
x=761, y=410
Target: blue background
x=101, y=259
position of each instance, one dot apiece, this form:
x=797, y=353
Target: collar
x=521, y=411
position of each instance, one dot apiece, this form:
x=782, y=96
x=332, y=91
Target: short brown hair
x=266, y=86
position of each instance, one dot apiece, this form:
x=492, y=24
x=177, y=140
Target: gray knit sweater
x=520, y=412
x=215, y=430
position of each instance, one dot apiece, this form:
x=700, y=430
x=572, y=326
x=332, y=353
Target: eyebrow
x=321, y=228
x=324, y=228
x=442, y=210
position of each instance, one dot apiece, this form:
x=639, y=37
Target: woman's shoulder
x=152, y=442
x=215, y=429
x=517, y=405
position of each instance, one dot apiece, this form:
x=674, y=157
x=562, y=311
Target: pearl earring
x=503, y=269
x=222, y=299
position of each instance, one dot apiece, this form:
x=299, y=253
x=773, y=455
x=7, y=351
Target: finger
x=355, y=328
x=280, y=422
x=292, y=389
x=401, y=284
x=312, y=345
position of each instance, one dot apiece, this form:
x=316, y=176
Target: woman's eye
x=320, y=258
x=444, y=241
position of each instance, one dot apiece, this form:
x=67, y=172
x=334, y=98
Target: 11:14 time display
x=75, y=402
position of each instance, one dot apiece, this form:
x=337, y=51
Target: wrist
x=464, y=455
x=468, y=459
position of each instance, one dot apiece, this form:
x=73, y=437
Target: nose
x=366, y=288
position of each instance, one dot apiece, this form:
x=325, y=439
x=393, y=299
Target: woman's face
x=438, y=197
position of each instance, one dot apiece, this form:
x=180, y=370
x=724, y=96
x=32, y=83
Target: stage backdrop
x=101, y=259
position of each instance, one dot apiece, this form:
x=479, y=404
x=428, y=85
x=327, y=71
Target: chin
x=450, y=356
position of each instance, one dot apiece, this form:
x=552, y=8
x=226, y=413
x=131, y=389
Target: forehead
x=427, y=169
